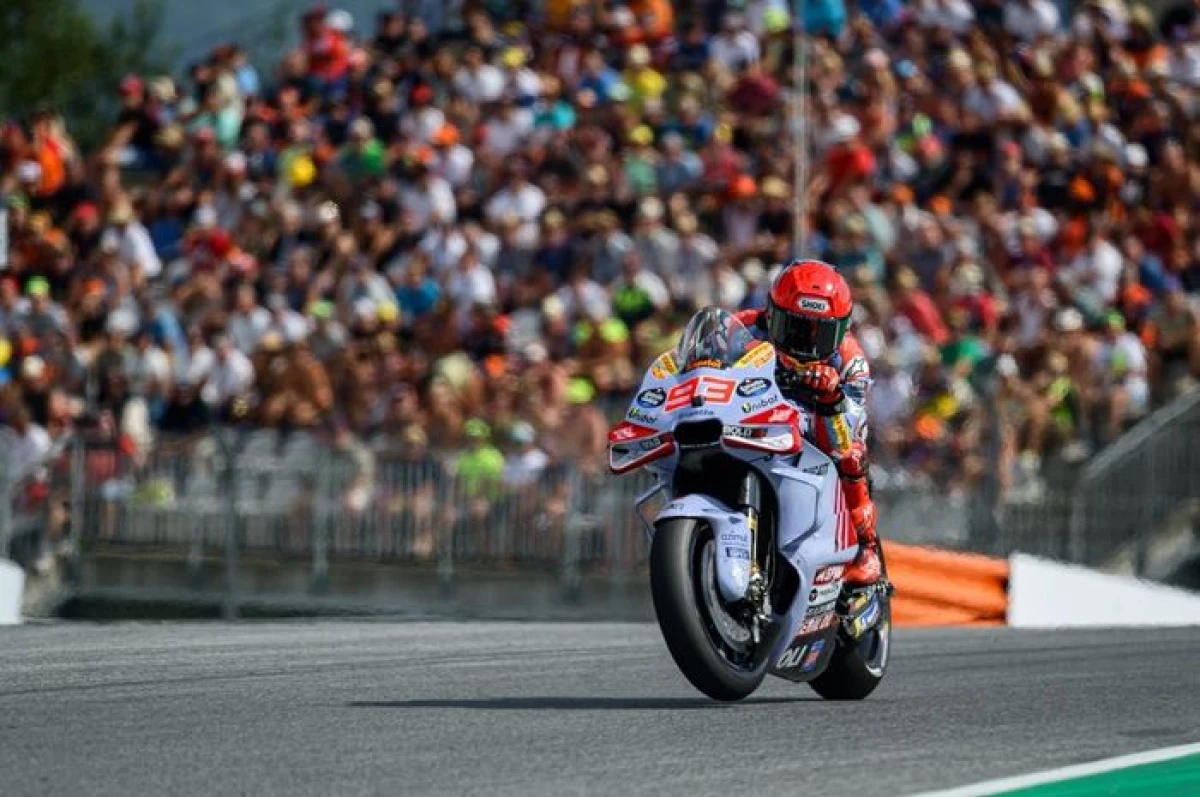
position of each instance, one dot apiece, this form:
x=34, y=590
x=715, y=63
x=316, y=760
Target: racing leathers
x=835, y=392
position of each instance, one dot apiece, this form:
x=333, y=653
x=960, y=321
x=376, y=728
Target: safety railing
x=1133, y=489
x=232, y=493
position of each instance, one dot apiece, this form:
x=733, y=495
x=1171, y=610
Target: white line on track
x=991, y=787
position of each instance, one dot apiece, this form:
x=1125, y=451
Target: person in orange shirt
x=51, y=149
x=655, y=17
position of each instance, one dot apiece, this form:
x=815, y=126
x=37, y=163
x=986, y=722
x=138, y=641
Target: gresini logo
x=753, y=387
x=813, y=305
x=654, y=397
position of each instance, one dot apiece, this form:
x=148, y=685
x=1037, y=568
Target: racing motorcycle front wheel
x=710, y=640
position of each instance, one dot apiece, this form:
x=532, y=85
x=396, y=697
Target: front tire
x=683, y=586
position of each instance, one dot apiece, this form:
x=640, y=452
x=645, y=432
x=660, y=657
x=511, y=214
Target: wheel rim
x=728, y=634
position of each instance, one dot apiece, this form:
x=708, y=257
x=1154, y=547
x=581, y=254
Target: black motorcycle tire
x=675, y=557
x=849, y=675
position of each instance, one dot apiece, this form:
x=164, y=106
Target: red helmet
x=808, y=311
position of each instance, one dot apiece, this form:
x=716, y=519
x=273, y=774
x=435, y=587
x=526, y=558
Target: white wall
x=1046, y=594
x=12, y=585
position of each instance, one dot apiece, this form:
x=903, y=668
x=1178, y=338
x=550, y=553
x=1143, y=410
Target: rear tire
x=676, y=572
x=857, y=666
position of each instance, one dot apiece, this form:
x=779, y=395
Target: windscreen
x=714, y=338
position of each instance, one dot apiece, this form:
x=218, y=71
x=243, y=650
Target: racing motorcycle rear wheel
x=858, y=665
x=710, y=640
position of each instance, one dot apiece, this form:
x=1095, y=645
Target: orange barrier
x=936, y=587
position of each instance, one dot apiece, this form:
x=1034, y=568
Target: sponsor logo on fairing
x=820, y=609
x=654, y=397
x=813, y=305
x=641, y=415
x=757, y=357
x=867, y=619
x=792, y=656
x=824, y=592
x=814, y=624
x=829, y=574
x=664, y=366
x=818, y=470
x=753, y=387
x=813, y=656
x=762, y=404
x=737, y=553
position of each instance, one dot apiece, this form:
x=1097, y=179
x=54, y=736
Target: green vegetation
x=55, y=57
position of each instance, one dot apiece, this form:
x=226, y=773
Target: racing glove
x=822, y=381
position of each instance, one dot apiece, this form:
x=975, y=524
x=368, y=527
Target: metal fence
x=293, y=495
x=235, y=493
x=1144, y=484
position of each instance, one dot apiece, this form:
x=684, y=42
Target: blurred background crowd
x=470, y=225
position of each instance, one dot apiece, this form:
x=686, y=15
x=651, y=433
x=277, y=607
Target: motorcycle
x=747, y=554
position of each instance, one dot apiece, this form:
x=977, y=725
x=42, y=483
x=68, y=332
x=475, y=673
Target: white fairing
x=730, y=533
x=806, y=486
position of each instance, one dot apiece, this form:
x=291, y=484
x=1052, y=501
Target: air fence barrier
x=312, y=501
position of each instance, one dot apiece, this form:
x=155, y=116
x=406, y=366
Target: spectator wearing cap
x=424, y=118
x=657, y=244
x=133, y=240
x=1123, y=375
x=739, y=216
x=137, y=125
x=640, y=162
x=428, y=198
x=638, y=294
x=325, y=50
x=452, y=160
x=362, y=157
x=520, y=82
x=43, y=315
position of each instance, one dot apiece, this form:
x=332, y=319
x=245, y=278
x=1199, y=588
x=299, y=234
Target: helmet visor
x=804, y=337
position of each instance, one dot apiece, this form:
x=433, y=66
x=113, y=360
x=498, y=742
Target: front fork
x=757, y=593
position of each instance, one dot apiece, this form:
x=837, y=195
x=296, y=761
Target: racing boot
x=866, y=569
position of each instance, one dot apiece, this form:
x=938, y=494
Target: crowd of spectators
x=482, y=220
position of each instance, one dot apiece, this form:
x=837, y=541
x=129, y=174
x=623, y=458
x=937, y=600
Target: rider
x=822, y=367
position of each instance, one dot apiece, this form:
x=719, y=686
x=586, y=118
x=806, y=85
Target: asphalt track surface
x=334, y=708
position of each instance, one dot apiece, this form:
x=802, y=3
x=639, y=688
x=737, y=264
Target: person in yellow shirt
x=644, y=82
